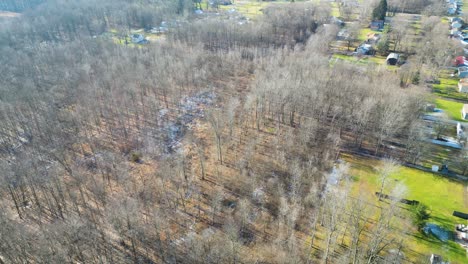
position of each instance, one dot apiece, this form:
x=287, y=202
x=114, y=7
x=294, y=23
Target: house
x=392, y=58
x=465, y=112
x=373, y=38
x=377, y=25
x=337, y=21
x=343, y=34
x=462, y=73
x=464, y=41
x=456, y=19
x=452, y=7
x=460, y=61
x=461, y=232
x=365, y=49
x=463, y=85
x=456, y=25
x=138, y=39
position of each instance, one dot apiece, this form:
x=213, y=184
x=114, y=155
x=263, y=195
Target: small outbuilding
x=392, y=58
x=138, y=39
x=377, y=25
x=436, y=259
x=463, y=83
x=465, y=112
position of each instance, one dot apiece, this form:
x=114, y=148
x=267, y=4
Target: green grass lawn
x=364, y=32
x=250, y=8
x=438, y=155
x=448, y=87
x=453, y=109
x=378, y=60
x=440, y=194
x=335, y=10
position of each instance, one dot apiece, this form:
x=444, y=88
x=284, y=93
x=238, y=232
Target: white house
x=465, y=112
x=463, y=85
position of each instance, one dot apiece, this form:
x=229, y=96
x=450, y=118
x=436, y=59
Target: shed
x=465, y=112
x=463, y=83
x=462, y=72
x=392, y=58
x=138, y=38
x=377, y=25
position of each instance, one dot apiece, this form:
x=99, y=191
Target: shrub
x=421, y=214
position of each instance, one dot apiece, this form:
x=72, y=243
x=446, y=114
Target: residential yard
x=250, y=8
x=452, y=108
x=124, y=38
x=377, y=60
x=438, y=155
x=440, y=194
x=366, y=31
x=448, y=86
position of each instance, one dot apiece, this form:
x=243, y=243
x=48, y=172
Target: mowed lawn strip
x=452, y=108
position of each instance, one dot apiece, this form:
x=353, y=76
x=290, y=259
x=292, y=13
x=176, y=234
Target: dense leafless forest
x=217, y=142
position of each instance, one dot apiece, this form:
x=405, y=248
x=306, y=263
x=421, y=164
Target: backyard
x=452, y=108
x=441, y=195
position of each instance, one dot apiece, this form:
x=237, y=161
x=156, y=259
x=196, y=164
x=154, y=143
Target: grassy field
x=453, y=109
x=448, y=86
x=441, y=195
x=250, y=8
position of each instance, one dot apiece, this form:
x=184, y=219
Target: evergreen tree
x=380, y=10
x=384, y=44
